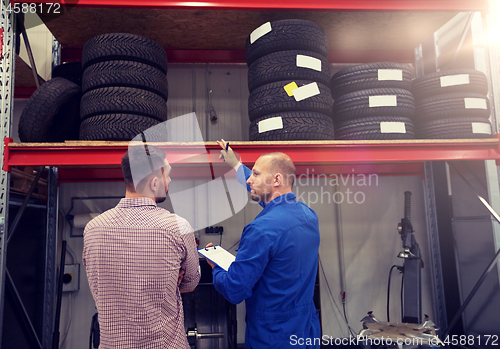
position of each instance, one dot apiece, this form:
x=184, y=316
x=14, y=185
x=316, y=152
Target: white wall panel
x=41, y=40
x=181, y=94
x=201, y=88
x=228, y=96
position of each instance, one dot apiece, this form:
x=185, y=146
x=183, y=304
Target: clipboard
x=218, y=255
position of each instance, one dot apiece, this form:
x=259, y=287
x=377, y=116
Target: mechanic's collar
x=284, y=198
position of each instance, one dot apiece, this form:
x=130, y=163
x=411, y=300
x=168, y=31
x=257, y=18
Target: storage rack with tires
x=389, y=157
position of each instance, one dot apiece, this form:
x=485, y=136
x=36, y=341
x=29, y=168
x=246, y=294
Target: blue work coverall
x=275, y=272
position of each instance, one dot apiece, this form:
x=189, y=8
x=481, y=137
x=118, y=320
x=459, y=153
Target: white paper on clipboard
x=218, y=255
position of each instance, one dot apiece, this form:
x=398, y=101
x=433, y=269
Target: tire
x=371, y=128
x=296, y=126
x=366, y=76
x=452, y=105
x=454, y=128
x=123, y=100
x=71, y=71
x=52, y=113
x=356, y=105
x=115, y=127
x=430, y=84
x=272, y=98
x=122, y=46
x=288, y=34
x=279, y=66
x=125, y=73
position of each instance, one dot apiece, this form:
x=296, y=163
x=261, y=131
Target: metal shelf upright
x=7, y=41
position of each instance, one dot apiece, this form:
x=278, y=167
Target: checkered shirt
x=132, y=255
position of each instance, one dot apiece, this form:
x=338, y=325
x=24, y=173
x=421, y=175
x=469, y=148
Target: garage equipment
x=193, y=336
x=412, y=268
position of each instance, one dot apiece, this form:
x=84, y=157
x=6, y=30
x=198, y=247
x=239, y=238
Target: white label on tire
x=475, y=103
x=306, y=91
x=390, y=74
x=270, y=124
x=392, y=127
x=383, y=101
x=308, y=62
x=453, y=80
x=481, y=127
x=260, y=32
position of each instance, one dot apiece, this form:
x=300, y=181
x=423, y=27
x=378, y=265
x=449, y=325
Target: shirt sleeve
x=238, y=282
x=242, y=176
x=190, y=264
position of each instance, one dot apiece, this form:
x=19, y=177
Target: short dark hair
x=145, y=160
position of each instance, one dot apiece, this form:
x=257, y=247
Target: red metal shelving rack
x=100, y=160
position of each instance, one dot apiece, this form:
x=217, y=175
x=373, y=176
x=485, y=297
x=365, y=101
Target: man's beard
x=161, y=199
x=259, y=198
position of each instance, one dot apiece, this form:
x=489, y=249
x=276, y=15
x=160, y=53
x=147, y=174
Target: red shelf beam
x=101, y=160
x=333, y=5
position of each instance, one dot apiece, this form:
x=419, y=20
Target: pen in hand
x=227, y=148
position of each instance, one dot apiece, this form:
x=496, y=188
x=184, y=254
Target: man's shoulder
x=282, y=217
x=172, y=221
x=153, y=216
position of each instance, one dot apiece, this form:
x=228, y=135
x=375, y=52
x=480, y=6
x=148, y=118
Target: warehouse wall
x=358, y=215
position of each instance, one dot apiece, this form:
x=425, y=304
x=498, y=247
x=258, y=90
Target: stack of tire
x=124, y=86
x=52, y=113
x=373, y=101
x=452, y=104
x=288, y=80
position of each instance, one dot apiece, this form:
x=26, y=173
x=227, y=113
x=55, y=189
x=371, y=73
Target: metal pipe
x=209, y=335
x=55, y=335
x=49, y=292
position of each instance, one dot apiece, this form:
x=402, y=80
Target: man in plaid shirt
x=139, y=258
